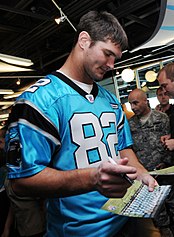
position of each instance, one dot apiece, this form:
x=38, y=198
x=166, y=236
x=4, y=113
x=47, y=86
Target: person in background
x=164, y=105
x=166, y=80
x=6, y=214
x=29, y=213
x=62, y=131
x=147, y=126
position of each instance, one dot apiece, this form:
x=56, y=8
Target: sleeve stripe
x=121, y=122
x=24, y=112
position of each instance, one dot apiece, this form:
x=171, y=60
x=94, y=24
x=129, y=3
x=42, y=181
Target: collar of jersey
x=83, y=93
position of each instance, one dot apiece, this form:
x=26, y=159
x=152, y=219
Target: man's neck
x=146, y=113
x=164, y=107
x=143, y=118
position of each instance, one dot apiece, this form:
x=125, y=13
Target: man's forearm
x=53, y=183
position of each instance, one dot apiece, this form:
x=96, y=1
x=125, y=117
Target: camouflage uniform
x=146, y=137
x=150, y=152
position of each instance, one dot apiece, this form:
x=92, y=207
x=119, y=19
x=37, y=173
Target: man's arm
x=53, y=183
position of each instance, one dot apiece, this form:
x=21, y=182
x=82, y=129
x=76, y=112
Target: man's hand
x=109, y=181
x=169, y=144
x=148, y=180
x=164, y=138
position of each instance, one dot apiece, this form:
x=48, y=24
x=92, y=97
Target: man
x=4, y=201
x=147, y=126
x=166, y=81
x=62, y=130
x=163, y=99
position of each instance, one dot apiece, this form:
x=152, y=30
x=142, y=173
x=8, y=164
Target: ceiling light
x=5, y=107
x=3, y=119
x=18, y=82
x=143, y=84
x=63, y=17
x=127, y=75
x=60, y=19
x=4, y=116
x=147, y=55
x=14, y=95
x=6, y=91
x=6, y=102
x=150, y=76
x=123, y=61
x=15, y=60
x=5, y=67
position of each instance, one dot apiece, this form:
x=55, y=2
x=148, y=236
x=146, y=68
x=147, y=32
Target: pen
x=123, y=175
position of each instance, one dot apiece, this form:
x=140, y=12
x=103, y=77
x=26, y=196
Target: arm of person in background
x=164, y=138
x=142, y=173
x=169, y=144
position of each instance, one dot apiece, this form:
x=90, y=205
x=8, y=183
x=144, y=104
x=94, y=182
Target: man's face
x=166, y=84
x=138, y=105
x=162, y=97
x=100, y=58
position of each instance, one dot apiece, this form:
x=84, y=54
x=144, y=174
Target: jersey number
x=41, y=82
x=94, y=137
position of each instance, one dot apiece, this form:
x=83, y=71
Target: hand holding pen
x=110, y=178
x=123, y=175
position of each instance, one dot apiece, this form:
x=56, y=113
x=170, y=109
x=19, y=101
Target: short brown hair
x=102, y=26
x=159, y=89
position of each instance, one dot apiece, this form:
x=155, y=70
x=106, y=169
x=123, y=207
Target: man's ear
x=84, y=40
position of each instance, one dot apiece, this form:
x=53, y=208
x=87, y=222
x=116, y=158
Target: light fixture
x=143, y=84
x=123, y=61
x=128, y=75
x=5, y=107
x=5, y=67
x=18, y=82
x=4, y=116
x=63, y=17
x=15, y=60
x=60, y=19
x=6, y=102
x=147, y=55
x=150, y=76
x=6, y=91
x=14, y=95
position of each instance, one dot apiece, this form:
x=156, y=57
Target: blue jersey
x=55, y=123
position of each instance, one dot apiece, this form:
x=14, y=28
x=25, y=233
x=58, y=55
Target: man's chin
x=98, y=78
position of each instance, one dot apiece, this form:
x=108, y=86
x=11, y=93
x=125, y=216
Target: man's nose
x=132, y=106
x=110, y=63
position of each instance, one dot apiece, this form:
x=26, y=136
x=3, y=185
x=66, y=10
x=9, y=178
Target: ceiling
x=28, y=30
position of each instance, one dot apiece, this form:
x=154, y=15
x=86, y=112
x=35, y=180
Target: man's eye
x=107, y=54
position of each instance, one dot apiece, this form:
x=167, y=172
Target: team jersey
x=55, y=123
